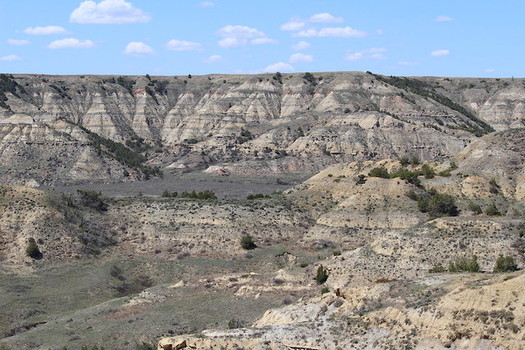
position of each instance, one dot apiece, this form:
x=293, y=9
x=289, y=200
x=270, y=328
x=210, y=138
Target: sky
x=466, y=38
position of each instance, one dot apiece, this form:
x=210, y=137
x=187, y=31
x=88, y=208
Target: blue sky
x=470, y=38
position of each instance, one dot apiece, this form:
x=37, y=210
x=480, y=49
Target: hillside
x=381, y=209
x=63, y=129
x=391, y=282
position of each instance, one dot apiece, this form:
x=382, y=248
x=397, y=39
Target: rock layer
x=289, y=119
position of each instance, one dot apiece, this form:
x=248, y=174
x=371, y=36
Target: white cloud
x=231, y=42
x=212, y=59
x=296, y=24
x=380, y=32
x=207, y=4
x=440, y=53
x=325, y=17
x=137, y=48
x=301, y=45
x=71, y=43
x=356, y=56
x=293, y=25
x=341, y=32
x=234, y=36
x=443, y=19
x=261, y=41
x=10, y=58
x=108, y=12
x=408, y=63
x=231, y=31
x=182, y=45
x=279, y=67
x=489, y=70
x=375, y=53
x=301, y=57
x=377, y=56
x=48, y=30
x=18, y=42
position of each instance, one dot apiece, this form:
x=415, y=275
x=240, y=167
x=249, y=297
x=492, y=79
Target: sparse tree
x=322, y=275
x=247, y=242
x=32, y=250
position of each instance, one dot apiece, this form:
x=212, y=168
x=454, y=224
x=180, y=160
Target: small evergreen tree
x=32, y=250
x=247, y=242
x=322, y=275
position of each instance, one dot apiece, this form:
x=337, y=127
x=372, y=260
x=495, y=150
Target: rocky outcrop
x=500, y=156
x=387, y=315
x=321, y=118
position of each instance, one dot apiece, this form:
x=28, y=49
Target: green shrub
x=337, y=252
x=234, y=324
x=32, y=250
x=505, y=264
x=257, y=196
x=310, y=78
x=492, y=210
x=494, y=187
x=437, y=269
x=414, y=160
x=407, y=175
x=444, y=173
x=126, y=83
x=428, y=171
x=381, y=172
x=361, y=179
x=475, y=208
x=325, y=290
x=438, y=204
x=412, y=195
x=404, y=161
x=464, y=264
x=168, y=194
x=207, y=194
x=92, y=199
x=322, y=275
x=247, y=242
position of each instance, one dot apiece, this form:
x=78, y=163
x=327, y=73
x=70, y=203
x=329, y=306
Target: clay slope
x=74, y=226
x=268, y=122
x=441, y=312
x=500, y=156
x=391, y=282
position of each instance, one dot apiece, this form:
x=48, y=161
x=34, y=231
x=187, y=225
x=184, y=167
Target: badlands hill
x=150, y=261
x=64, y=129
x=391, y=283
x=412, y=177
